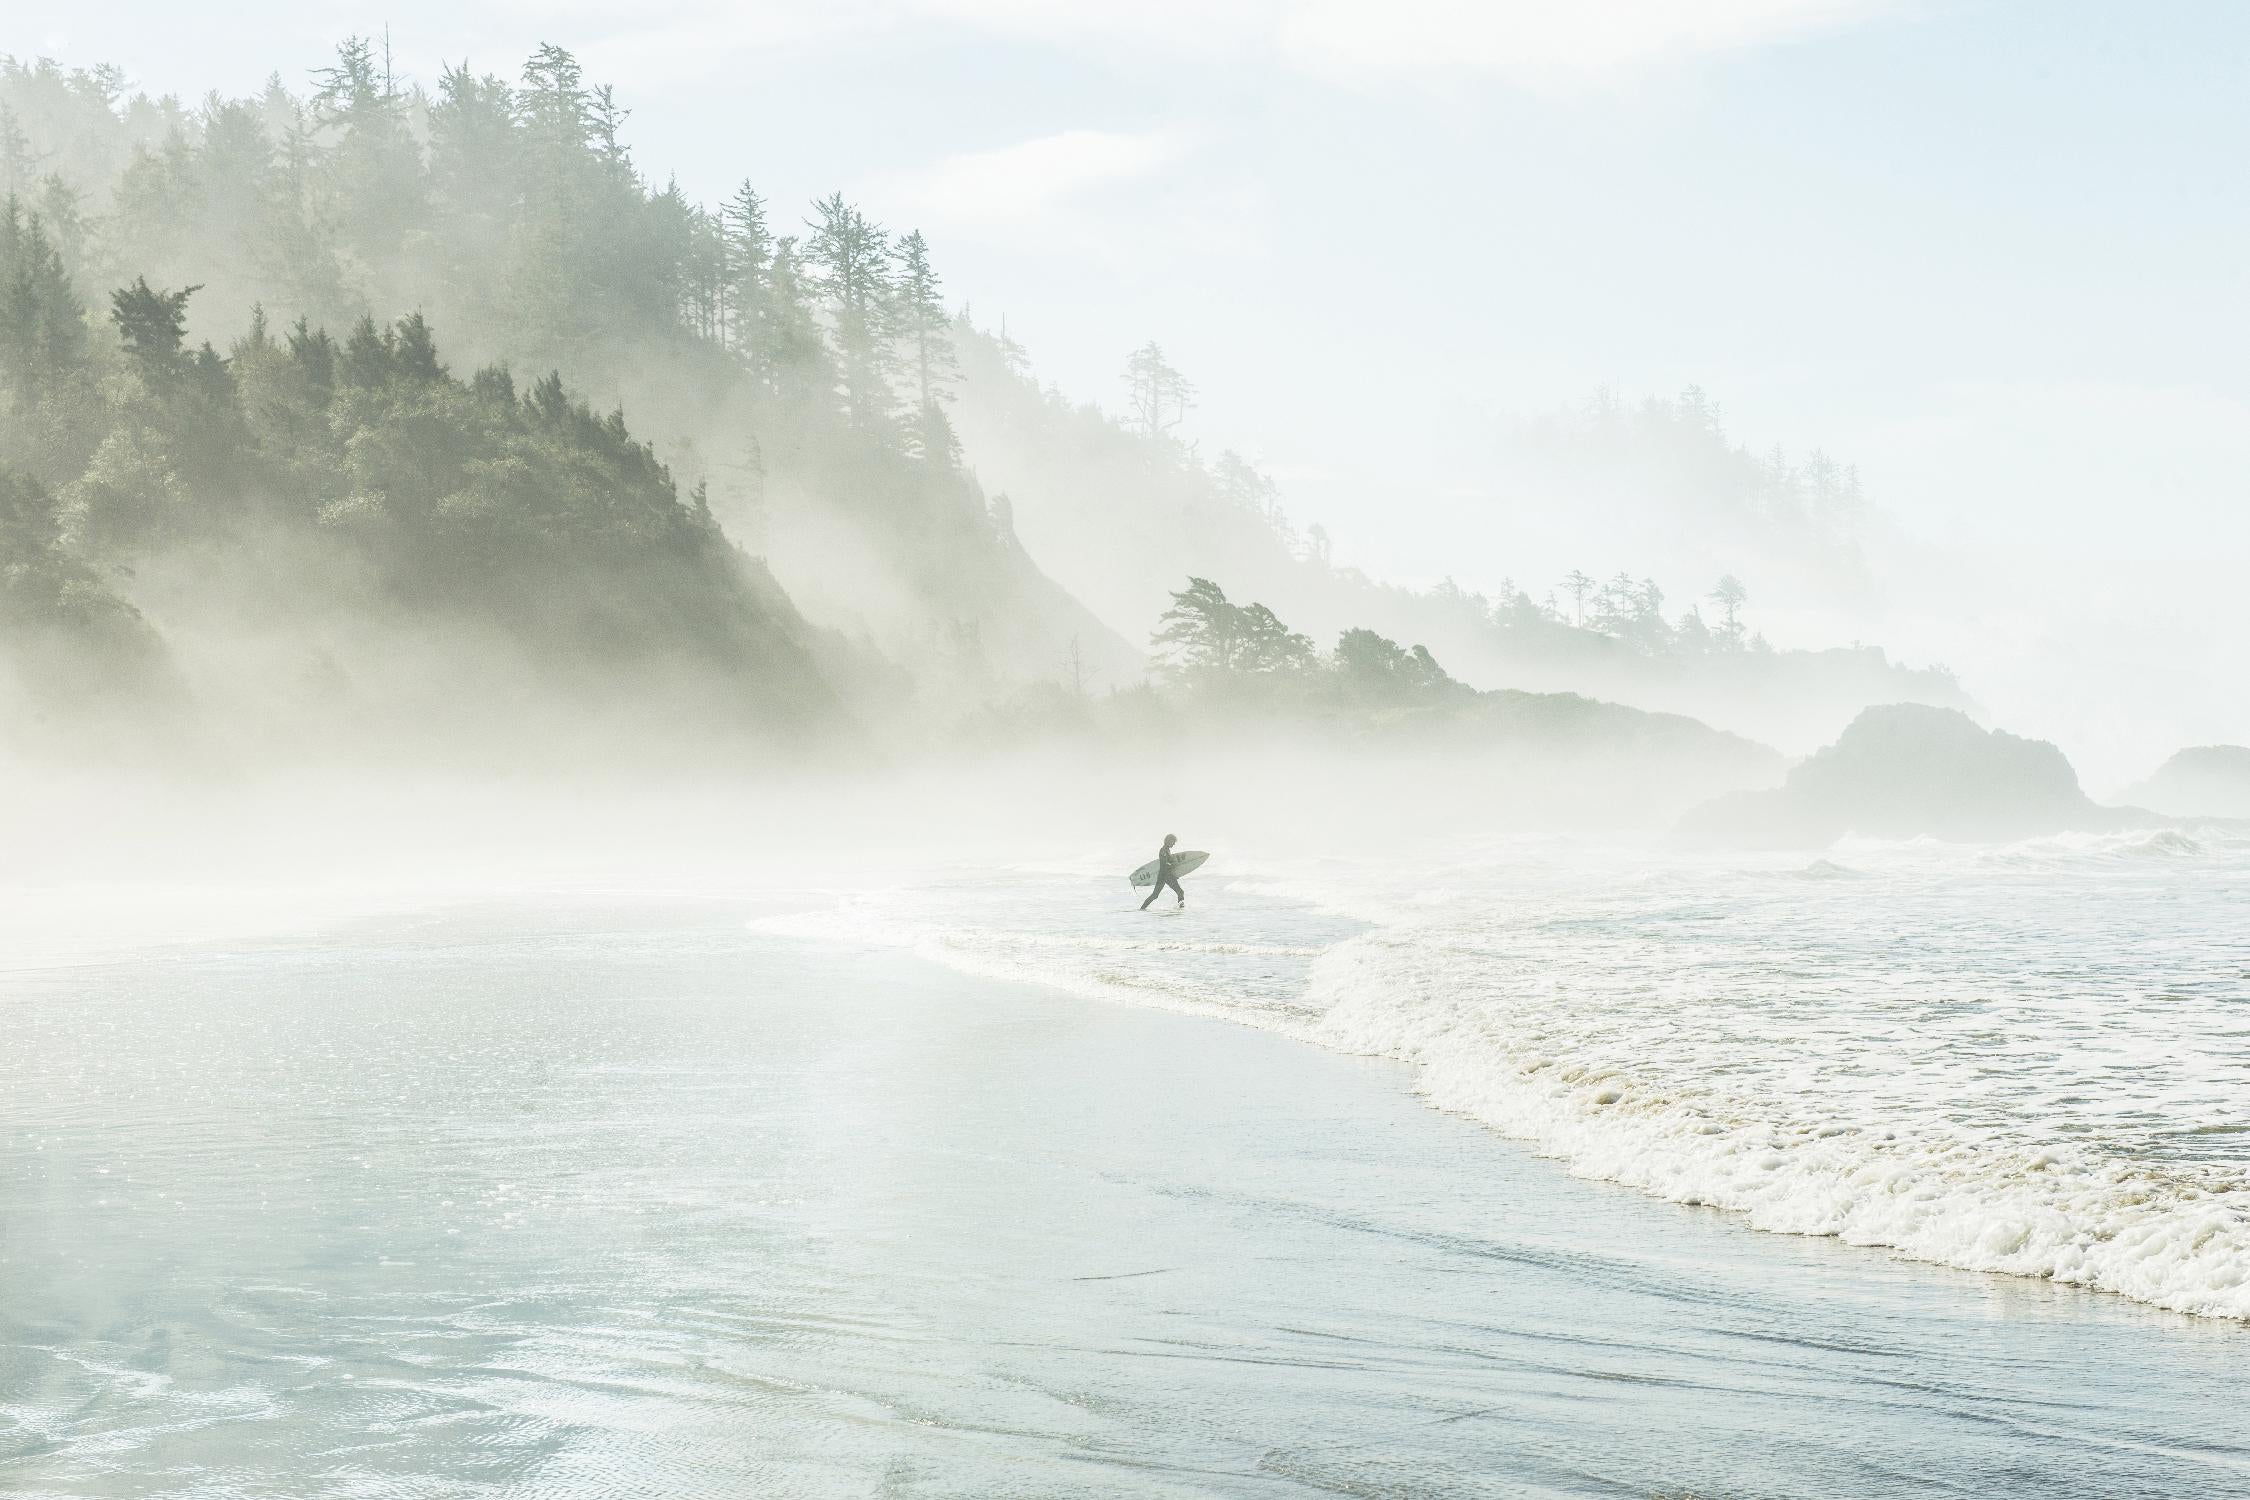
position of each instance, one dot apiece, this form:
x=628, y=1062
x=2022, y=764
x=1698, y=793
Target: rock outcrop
x=2208, y=781
x=1907, y=770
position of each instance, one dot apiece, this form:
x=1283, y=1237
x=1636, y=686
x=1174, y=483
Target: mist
x=922, y=749
x=907, y=532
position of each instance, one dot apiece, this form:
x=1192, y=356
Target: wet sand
x=584, y=1200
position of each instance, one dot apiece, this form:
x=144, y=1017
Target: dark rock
x=1908, y=770
x=2209, y=781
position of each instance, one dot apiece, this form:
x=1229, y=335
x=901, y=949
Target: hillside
x=798, y=375
x=1120, y=509
x=1371, y=738
x=333, y=544
x=869, y=474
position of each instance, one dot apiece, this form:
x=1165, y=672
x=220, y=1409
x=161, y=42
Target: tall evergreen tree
x=61, y=207
x=473, y=147
x=749, y=268
x=18, y=167
x=1578, y=585
x=792, y=351
x=551, y=291
x=42, y=324
x=705, y=288
x=923, y=326
x=371, y=160
x=850, y=256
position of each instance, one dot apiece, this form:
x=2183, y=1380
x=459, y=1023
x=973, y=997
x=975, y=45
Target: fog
x=419, y=427
x=595, y=630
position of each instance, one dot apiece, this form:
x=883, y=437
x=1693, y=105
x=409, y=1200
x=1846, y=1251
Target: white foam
x=2178, y=1239
x=2029, y=1059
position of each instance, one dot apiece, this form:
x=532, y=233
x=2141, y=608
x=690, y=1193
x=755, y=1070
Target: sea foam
x=1796, y=1163
x=2029, y=1059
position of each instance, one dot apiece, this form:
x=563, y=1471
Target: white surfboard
x=1183, y=861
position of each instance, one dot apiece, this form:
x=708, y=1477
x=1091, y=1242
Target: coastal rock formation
x=1907, y=770
x=2208, y=781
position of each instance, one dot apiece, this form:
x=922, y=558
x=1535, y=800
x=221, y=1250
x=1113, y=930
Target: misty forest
x=648, y=858
x=368, y=416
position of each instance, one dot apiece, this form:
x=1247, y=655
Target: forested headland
x=368, y=408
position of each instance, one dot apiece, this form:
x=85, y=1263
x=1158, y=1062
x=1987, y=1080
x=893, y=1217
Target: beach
x=609, y=1196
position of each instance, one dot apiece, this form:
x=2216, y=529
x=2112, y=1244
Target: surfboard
x=1183, y=861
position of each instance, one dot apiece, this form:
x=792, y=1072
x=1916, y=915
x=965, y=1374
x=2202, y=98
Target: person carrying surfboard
x=1166, y=875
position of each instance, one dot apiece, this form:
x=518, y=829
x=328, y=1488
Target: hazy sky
x=1992, y=252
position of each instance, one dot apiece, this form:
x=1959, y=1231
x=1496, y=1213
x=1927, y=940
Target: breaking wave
x=2029, y=1059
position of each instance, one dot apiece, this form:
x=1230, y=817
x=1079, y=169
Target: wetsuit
x=1164, y=877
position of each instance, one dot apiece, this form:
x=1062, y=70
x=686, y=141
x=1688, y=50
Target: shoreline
x=622, y=1200
x=1575, y=1086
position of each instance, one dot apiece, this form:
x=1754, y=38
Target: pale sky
x=1993, y=252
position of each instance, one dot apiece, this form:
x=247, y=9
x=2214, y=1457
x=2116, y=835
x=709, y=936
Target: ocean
x=2031, y=1059
x=1906, y=1172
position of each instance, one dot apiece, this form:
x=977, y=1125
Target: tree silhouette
x=749, y=266
x=1267, y=648
x=850, y=255
x=1161, y=396
x=18, y=167
x=1371, y=668
x=1730, y=596
x=1578, y=585
x=1200, y=634
x=922, y=323
x=792, y=351
x=153, y=324
x=42, y=326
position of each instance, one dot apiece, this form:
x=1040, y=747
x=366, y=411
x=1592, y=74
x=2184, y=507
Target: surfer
x=1165, y=875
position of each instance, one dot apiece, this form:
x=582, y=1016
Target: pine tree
x=660, y=275
x=554, y=105
x=300, y=242
x=851, y=257
x=42, y=323
x=793, y=353
x=749, y=269
x=922, y=323
x=704, y=288
x=372, y=163
x=473, y=149
x=153, y=325
x=18, y=166
x=1578, y=585
x=61, y=207
x=1161, y=396
x=367, y=359
x=315, y=354
x=548, y=293
x=1730, y=596
x=415, y=352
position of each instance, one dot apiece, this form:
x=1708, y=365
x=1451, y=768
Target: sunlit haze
x=1991, y=253
x=1210, y=748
